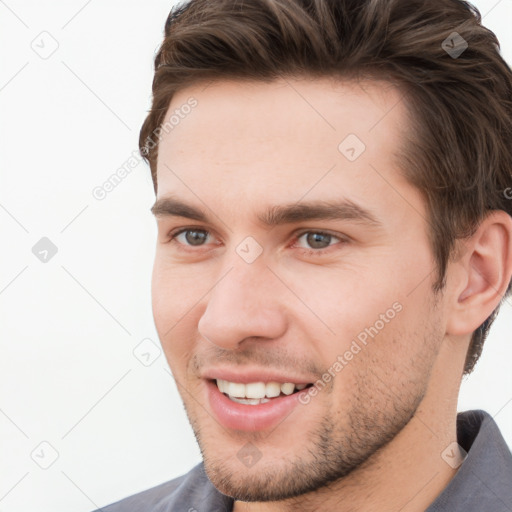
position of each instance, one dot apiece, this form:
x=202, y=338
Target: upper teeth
x=257, y=389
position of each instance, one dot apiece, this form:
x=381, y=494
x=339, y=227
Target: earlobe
x=485, y=270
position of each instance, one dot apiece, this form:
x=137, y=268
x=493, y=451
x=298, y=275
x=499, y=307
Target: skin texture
x=372, y=438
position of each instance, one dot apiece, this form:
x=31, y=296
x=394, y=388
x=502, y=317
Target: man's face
x=340, y=303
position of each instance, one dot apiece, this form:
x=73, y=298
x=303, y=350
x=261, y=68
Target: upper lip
x=246, y=375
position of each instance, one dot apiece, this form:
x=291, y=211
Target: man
x=332, y=185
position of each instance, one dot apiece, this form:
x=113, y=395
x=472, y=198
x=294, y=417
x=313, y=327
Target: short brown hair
x=459, y=152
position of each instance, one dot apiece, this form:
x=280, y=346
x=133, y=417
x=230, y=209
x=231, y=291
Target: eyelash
x=310, y=252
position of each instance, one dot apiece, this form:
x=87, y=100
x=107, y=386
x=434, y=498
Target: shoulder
x=182, y=493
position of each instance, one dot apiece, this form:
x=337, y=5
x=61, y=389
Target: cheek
x=177, y=334
x=341, y=301
x=361, y=315
x=175, y=303
x=161, y=300
x=174, y=290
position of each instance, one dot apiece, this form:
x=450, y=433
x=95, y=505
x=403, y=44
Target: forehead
x=280, y=141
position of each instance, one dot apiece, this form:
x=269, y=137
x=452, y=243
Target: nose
x=246, y=303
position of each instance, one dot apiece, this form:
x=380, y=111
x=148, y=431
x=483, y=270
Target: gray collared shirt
x=483, y=482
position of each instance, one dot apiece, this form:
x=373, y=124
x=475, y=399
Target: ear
x=483, y=274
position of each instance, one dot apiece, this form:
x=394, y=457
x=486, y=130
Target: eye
x=190, y=236
x=317, y=241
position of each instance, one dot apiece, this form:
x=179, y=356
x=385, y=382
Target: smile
x=255, y=393
x=252, y=406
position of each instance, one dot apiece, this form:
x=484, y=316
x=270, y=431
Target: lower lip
x=250, y=417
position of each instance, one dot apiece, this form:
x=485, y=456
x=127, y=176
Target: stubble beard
x=326, y=455
x=344, y=440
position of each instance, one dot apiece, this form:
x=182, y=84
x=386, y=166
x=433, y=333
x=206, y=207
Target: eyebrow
x=343, y=209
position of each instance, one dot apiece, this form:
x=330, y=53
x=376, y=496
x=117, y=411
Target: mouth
x=256, y=393
x=253, y=406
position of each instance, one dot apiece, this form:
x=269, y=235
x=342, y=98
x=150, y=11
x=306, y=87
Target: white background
x=69, y=377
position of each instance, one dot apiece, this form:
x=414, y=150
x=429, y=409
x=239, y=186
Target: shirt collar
x=484, y=480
